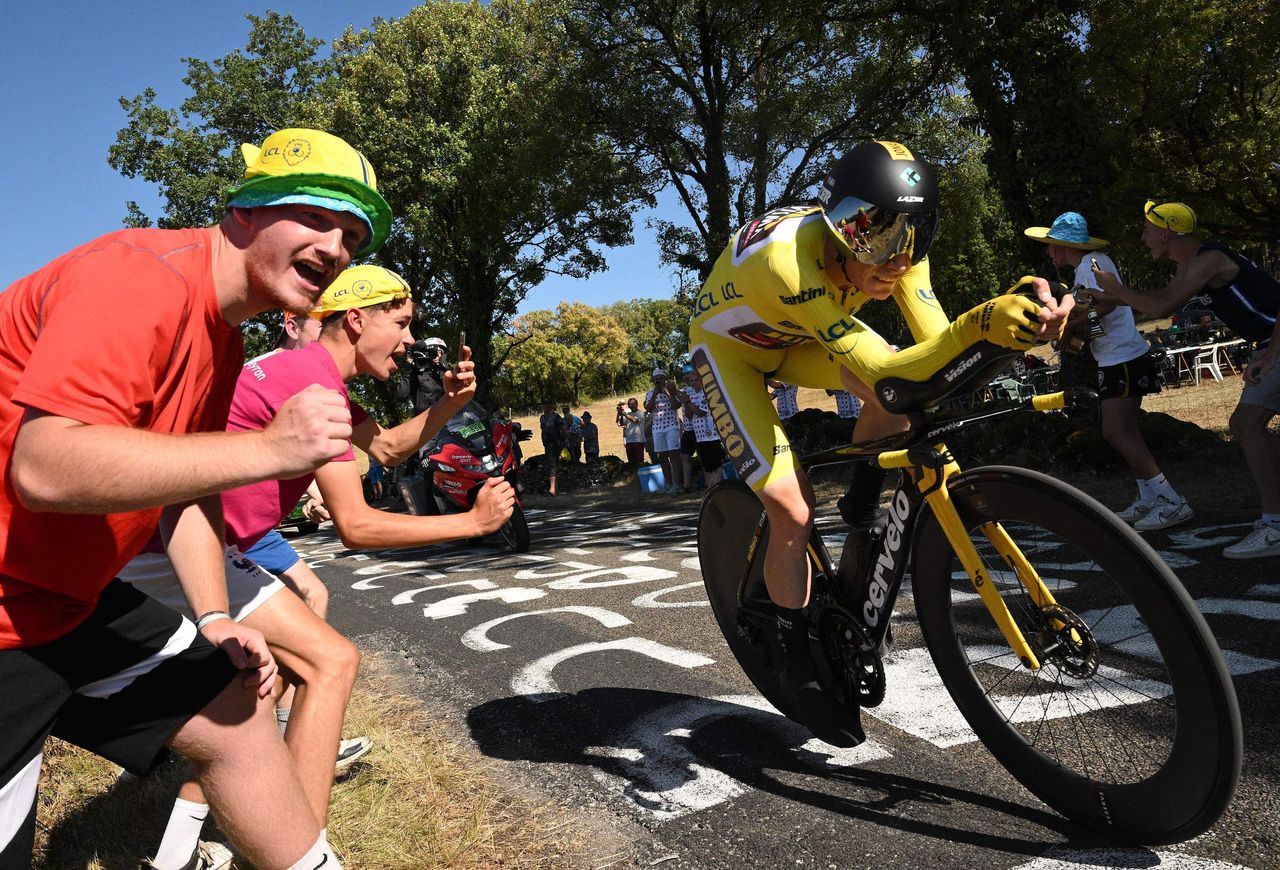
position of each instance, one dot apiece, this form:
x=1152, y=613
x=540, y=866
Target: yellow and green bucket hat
x=297, y=165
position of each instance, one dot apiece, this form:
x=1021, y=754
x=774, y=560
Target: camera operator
x=423, y=383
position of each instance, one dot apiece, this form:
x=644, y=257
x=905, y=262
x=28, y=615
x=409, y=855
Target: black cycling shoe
x=815, y=708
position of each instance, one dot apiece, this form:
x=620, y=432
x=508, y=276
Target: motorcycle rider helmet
x=880, y=201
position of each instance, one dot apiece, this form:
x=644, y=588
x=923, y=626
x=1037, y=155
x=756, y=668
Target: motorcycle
x=473, y=446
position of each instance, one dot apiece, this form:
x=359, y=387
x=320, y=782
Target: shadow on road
x=673, y=754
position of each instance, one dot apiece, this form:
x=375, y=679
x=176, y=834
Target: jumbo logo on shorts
x=727, y=425
x=296, y=151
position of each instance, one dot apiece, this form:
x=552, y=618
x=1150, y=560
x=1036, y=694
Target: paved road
x=592, y=666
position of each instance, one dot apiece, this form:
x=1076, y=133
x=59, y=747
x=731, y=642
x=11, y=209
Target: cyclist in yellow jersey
x=780, y=302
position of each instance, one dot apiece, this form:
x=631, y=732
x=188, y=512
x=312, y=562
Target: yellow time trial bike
x=1072, y=650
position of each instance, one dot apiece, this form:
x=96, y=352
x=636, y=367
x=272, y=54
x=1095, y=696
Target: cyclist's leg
x=733, y=380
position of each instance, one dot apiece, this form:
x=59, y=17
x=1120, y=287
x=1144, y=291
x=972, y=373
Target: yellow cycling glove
x=1006, y=321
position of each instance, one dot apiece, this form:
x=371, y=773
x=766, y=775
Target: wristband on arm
x=211, y=616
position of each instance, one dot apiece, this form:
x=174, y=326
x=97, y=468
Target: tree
x=657, y=333
x=481, y=125
x=192, y=152
x=1193, y=106
x=739, y=106
x=553, y=356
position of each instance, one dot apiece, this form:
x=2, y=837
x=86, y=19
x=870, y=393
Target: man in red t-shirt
x=117, y=365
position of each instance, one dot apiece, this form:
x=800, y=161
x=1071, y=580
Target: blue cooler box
x=652, y=479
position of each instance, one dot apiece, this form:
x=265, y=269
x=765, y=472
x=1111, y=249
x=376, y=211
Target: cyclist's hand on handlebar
x=1055, y=307
x=1006, y=321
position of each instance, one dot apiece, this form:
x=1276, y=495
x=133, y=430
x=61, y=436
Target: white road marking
x=1125, y=622
x=477, y=638
x=407, y=596
x=918, y=702
x=664, y=779
x=458, y=604
x=535, y=678
x=1092, y=859
x=650, y=599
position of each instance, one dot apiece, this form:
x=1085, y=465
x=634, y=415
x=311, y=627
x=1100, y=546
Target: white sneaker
x=209, y=855
x=1165, y=513
x=350, y=750
x=1264, y=540
x=1135, y=511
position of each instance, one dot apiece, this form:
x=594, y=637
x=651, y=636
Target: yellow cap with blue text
x=1173, y=216
x=361, y=287
x=298, y=165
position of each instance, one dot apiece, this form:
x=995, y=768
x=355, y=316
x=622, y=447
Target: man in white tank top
x=1126, y=372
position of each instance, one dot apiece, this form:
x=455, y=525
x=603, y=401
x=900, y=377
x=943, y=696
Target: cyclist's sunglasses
x=877, y=235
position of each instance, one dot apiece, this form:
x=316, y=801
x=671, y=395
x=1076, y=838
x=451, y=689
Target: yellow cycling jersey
x=770, y=291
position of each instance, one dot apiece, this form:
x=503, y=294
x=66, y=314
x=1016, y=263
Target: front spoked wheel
x=1131, y=724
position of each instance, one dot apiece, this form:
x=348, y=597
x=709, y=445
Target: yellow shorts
x=733, y=376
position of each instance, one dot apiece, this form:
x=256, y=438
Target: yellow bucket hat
x=1174, y=216
x=298, y=165
x=360, y=287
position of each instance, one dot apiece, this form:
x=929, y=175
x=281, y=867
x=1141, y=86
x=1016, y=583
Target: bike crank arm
x=932, y=482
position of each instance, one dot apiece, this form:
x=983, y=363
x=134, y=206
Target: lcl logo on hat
x=313, y=167
x=1070, y=230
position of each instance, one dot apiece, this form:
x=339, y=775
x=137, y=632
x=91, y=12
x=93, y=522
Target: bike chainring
x=849, y=647
x=1063, y=638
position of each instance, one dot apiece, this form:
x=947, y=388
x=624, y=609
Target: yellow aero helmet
x=297, y=165
x=360, y=287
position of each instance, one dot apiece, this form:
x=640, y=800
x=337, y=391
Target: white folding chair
x=1206, y=360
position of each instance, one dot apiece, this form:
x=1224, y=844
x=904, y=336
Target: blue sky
x=63, y=66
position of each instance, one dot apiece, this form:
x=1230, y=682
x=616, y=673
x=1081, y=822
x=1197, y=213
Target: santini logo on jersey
x=804, y=296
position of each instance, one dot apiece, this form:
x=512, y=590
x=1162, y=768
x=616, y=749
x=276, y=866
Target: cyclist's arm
x=1007, y=322
x=915, y=299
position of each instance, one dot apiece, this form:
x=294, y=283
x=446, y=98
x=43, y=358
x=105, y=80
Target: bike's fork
x=931, y=478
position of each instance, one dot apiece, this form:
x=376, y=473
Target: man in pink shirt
x=364, y=323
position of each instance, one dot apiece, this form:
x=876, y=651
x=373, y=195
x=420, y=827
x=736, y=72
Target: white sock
x=282, y=718
x=319, y=855
x=1144, y=492
x=1159, y=485
x=181, y=836
x=1272, y=520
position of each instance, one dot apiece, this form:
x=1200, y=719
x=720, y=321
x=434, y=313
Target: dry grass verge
x=422, y=800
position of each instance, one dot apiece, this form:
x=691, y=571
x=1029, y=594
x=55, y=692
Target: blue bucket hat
x=1069, y=230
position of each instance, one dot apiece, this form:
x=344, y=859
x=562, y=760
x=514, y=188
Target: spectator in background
x=848, y=406
x=631, y=418
x=706, y=438
x=661, y=402
x=590, y=438
x=1246, y=299
x=688, y=438
x=785, y=396
x=375, y=479
x=572, y=433
x=552, y=428
x=1126, y=371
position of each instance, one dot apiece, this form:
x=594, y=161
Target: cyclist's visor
x=875, y=235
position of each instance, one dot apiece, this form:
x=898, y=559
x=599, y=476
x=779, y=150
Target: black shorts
x=711, y=453
x=1128, y=380
x=688, y=442
x=120, y=684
